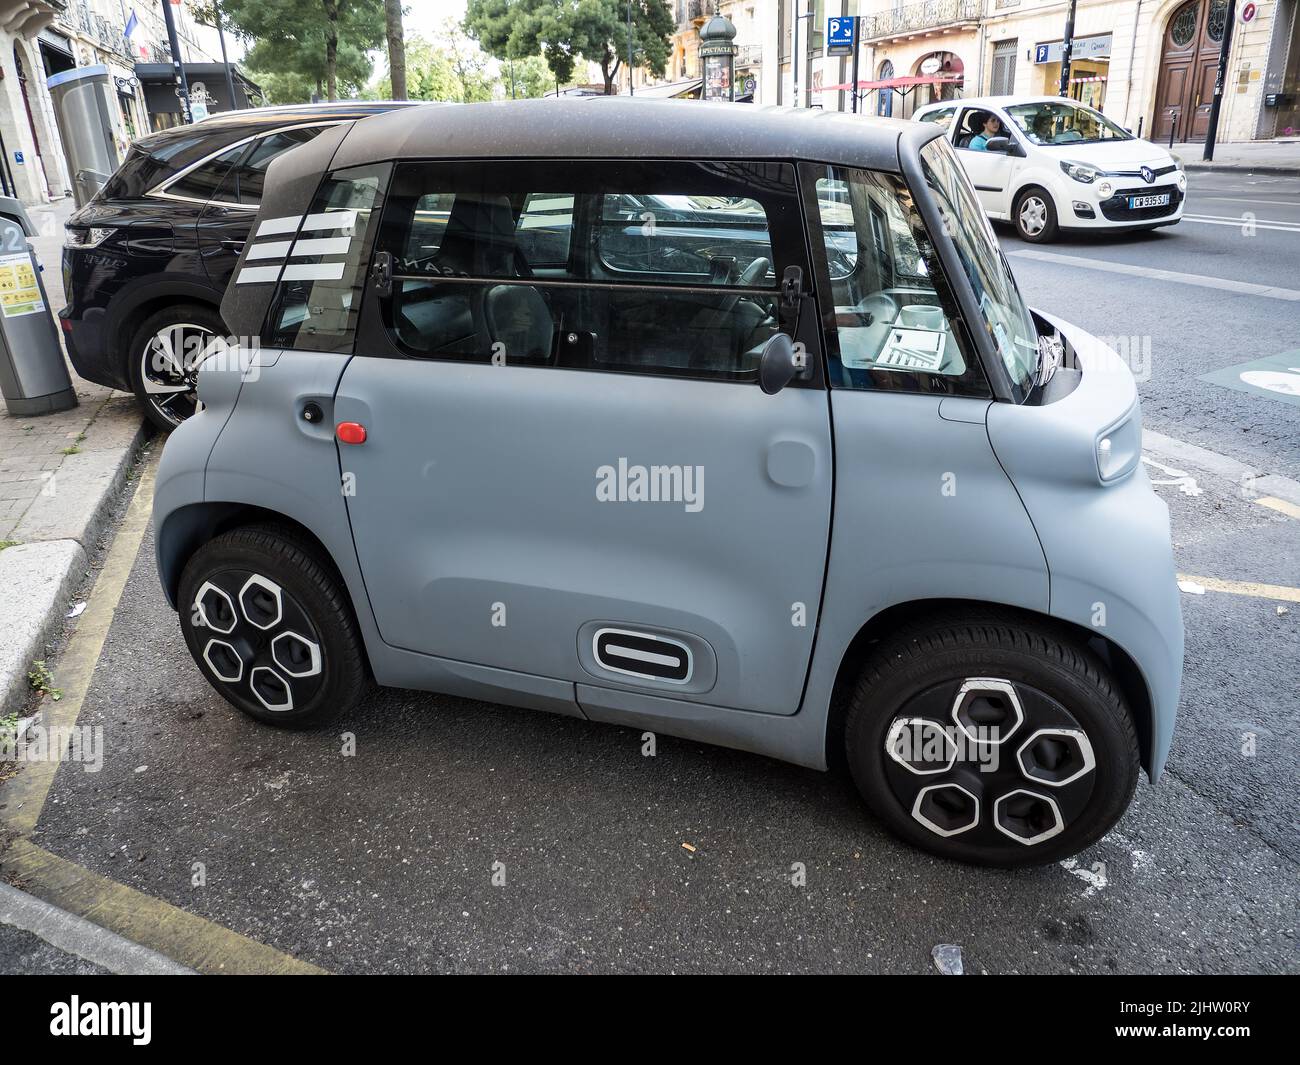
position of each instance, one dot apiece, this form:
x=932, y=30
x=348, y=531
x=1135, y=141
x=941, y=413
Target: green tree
x=447, y=67
x=296, y=44
x=566, y=31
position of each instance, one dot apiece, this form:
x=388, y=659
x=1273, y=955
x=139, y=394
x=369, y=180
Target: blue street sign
x=840, y=33
x=18, y=157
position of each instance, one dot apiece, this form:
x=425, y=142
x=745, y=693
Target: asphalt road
x=384, y=861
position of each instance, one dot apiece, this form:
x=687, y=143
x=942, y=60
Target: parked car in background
x=519, y=368
x=146, y=261
x=1051, y=164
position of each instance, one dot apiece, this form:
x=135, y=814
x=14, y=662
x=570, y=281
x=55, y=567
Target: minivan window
x=889, y=317
x=612, y=266
x=1005, y=316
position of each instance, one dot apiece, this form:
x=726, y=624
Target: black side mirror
x=778, y=364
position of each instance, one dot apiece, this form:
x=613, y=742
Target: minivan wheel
x=269, y=625
x=1035, y=216
x=992, y=741
x=163, y=361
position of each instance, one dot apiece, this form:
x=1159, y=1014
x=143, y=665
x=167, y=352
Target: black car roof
x=182, y=145
x=618, y=127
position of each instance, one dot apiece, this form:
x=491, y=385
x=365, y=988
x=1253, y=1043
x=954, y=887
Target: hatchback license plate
x=1134, y=202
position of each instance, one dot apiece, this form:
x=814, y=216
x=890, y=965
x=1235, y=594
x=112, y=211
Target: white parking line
x=1245, y=288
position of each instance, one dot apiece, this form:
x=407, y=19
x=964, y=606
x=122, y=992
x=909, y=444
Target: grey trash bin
x=33, y=374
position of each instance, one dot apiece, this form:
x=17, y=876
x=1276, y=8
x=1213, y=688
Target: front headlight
x=1182, y=181
x=77, y=237
x=1081, y=171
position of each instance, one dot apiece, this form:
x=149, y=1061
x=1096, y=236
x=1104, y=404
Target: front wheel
x=270, y=626
x=1035, y=216
x=992, y=741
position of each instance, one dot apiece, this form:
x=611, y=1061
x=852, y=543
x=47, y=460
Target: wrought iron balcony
x=918, y=18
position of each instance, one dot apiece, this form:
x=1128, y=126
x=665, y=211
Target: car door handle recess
x=639, y=654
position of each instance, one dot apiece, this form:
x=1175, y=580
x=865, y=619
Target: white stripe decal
x=271, y=226
x=272, y=249
x=254, y=274
x=329, y=220
x=322, y=246
x=317, y=272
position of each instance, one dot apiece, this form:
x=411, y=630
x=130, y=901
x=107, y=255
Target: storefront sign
x=932, y=66
x=1083, y=48
x=1248, y=13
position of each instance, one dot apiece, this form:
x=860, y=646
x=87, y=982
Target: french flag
x=136, y=36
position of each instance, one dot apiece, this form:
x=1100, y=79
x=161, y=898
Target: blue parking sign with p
x=839, y=32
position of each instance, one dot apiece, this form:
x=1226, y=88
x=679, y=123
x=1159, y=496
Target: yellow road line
x=1251, y=588
x=1282, y=506
x=183, y=936
x=180, y=935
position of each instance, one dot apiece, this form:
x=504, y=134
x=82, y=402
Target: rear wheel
x=164, y=359
x=991, y=741
x=271, y=628
x=1035, y=216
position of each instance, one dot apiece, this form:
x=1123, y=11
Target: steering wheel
x=751, y=275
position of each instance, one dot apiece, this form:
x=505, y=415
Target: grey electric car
x=722, y=421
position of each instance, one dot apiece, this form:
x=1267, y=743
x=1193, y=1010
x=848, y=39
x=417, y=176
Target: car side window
x=890, y=316
x=319, y=263
x=613, y=266
x=204, y=180
x=250, y=175
x=940, y=116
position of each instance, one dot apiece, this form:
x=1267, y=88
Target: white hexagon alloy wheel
x=227, y=666
x=947, y=809
x=1034, y=830
x=272, y=680
x=896, y=738
x=200, y=604
x=258, y=582
x=1001, y=690
x=280, y=655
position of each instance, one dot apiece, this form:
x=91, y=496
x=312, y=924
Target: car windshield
x=1006, y=318
x=1060, y=122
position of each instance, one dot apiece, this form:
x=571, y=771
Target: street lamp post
x=1067, y=48
x=1220, y=77
x=631, y=84
x=178, y=67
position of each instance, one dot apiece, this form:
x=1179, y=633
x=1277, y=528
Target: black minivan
x=145, y=263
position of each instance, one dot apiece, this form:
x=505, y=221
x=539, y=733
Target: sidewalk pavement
x=1281, y=156
x=59, y=475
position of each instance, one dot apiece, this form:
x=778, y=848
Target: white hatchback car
x=1050, y=164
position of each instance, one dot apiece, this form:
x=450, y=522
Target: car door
x=228, y=216
x=990, y=172
x=569, y=469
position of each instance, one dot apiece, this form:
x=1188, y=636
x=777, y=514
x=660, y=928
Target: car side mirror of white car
x=1005, y=145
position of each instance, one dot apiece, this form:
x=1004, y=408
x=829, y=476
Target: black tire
x=1043, y=214
x=145, y=365
x=311, y=598
x=918, y=675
